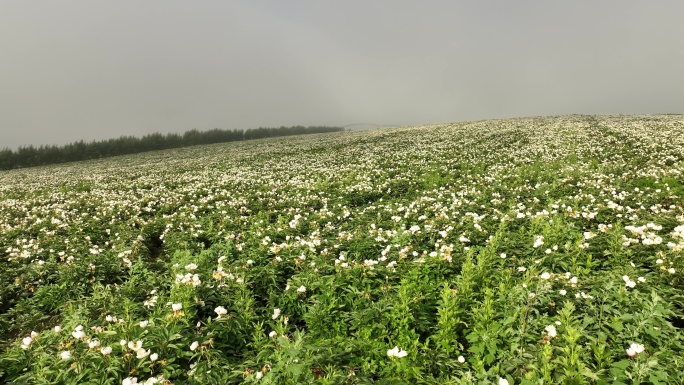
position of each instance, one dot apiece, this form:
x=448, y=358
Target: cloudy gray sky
x=83, y=69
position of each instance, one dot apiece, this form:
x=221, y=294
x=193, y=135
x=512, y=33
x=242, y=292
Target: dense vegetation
x=27, y=156
x=523, y=251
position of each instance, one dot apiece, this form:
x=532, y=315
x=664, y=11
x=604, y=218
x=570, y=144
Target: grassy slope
x=510, y=243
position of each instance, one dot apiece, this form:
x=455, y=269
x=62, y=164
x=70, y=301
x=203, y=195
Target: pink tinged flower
x=635, y=349
x=129, y=381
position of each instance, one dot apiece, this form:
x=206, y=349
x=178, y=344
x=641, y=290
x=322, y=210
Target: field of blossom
x=519, y=251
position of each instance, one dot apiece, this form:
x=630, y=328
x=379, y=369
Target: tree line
x=28, y=156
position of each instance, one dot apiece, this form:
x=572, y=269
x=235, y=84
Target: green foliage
x=539, y=251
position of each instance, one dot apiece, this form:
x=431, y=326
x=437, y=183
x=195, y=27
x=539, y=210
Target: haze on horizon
x=77, y=69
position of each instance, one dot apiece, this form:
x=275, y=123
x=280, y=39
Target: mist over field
x=78, y=69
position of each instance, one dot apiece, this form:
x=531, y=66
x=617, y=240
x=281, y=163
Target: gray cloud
x=91, y=70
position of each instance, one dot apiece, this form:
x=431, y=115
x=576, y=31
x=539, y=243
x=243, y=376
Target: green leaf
x=621, y=364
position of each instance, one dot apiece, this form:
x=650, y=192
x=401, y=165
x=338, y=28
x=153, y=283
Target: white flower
x=177, y=306
x=106, y=350
x=194, y=345
x=551, y=331
x=135, y=346
x=503, y=381
x=461, y=359
x=190, y=267
x=635, y=349
x=545, y=275
x=144, y=324
x=78, y=334
x=522, y=269
x=142, y=353
x=272, y=334
x=259, y=374
x=122, y=342
x=58, y=329
x=301, y=289
x=26, y=342
x=151, y=381
x=220, y=310
x=562, y=292
x=395, y=352
x=671, y=270
x=66, y=354
x=276, y=313
x=641, y=279
x=538, y=241
x=659, y=261
x=502, y=255
x=93, y=344
x=34, y=334
x=154, y=357
x=129, y=381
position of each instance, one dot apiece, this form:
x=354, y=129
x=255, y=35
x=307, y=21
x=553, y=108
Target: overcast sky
x=84, y=69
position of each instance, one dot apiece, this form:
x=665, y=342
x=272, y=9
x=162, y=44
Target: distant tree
x=27, y=156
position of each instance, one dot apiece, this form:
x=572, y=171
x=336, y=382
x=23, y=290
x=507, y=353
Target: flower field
x=519, y=251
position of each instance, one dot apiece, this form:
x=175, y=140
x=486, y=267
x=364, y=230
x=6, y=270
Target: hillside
x=524, y=250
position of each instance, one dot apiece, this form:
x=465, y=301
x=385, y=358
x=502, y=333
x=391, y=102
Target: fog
x=89, y=70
